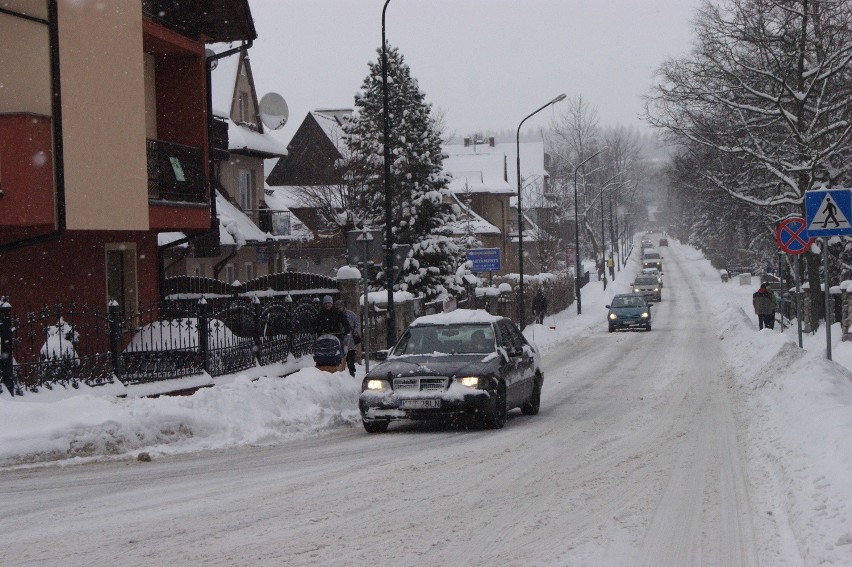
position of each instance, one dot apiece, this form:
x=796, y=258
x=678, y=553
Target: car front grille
x=421, y=383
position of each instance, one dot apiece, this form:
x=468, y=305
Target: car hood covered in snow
x=437, y=365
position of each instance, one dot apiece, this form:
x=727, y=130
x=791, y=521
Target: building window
x=243, y=110
x=249, y=270
x=199, y=271
x=230, y=275
x=281, y=223
x=246, y=181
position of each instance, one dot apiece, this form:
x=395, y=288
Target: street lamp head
x=557, y=99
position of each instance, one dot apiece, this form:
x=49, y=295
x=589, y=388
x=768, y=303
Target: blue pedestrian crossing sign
x=828, y=212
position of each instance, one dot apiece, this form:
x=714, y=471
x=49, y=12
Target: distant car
x=648, y=286
x=629, y=311
x=653, y=272
x=465, y=363
x=664, y=241
x=652, y=260
x=646, y=243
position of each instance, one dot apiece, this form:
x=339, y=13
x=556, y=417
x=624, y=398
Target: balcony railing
x=177, y=15
x=175, y=172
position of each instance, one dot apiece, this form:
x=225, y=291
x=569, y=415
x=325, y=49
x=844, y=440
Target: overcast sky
x=485, y=63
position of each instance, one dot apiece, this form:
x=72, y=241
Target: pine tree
x=421, y=213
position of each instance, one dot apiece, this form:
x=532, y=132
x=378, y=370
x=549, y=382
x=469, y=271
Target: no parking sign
x=792, y=236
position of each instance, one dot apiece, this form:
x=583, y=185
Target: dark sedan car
x=466, y=363
x=629, y=311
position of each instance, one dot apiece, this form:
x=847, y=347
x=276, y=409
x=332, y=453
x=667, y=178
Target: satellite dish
x=209, y=54
x=273, y=111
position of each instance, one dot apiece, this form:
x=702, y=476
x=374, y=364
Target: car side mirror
x=606, y=306
x=381, y=354
x=650, y=305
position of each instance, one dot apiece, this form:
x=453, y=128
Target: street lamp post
x=389, y=241
x=521, y=308
x=613, y=234
x=603, y=238
x=577, y=235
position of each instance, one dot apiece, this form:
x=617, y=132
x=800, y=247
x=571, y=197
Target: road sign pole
x=798, y=305
x=781, y=287
x=827, y=298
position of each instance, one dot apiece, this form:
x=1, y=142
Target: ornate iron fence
x=72, y=344
x=46, y=347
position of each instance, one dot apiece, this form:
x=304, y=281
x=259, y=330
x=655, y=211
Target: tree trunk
x=815, y=294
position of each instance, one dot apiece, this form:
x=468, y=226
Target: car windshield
x=652, y=256
x=646, y=280
x=627, y=301
x=447, y=339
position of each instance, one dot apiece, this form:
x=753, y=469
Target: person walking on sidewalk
x=353, y=339
x=763, y=301
x=539, y=306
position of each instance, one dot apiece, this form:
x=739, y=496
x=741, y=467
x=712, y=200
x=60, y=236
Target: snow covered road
x=634, y=459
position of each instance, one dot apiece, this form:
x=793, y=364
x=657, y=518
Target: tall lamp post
x=522, y=311
x=577, y=234
x=389, y=241
x=603, y=238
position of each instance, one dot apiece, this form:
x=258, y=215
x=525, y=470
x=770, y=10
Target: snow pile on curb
x=267, y=410
x=798, y=407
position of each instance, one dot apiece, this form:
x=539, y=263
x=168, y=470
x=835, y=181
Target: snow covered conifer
x=421, y=214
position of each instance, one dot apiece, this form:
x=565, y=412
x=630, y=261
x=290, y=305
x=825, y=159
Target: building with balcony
x=248, y=247
x=104, y=143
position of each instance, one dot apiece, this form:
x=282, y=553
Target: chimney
x=491, y=141
x=466, y=142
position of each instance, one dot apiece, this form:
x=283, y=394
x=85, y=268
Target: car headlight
x=613, y=316
x=645, y=315
x=469, y=381
x=656, y=289
x=637, y=290
x=378, y=385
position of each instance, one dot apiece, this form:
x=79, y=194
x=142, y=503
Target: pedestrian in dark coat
x=539, y=306
x=763, y=301
x=354, y=338
x=331, y=321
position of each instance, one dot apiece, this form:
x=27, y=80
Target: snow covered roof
x=532, y=158
x=223, y=80
x=331, y=121
x=459, y=316
x=477, y=173
x=241, y=138
x=235, y=227
x=467, y=218
x=282, y=197
x=531, y=228
x=164, y=238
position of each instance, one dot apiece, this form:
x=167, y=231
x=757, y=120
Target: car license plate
x=420, y=404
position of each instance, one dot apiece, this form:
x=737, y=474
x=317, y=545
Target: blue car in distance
x=629, y=311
